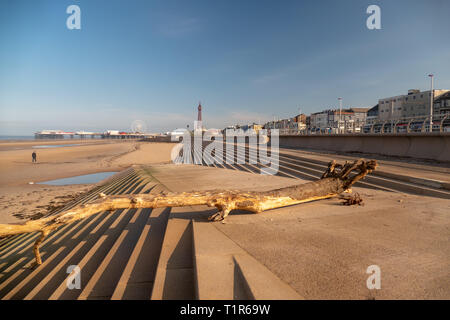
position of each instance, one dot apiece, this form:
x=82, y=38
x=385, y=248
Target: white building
x=414, y=104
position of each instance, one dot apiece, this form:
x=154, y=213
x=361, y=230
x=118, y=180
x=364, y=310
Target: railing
x=441, y=123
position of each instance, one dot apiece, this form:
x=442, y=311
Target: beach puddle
x=56, y=146
x=84, y=179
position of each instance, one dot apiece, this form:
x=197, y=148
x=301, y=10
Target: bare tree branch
x=335, y=180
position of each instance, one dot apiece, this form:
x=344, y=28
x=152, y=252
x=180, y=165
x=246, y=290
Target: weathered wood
x=335, y=180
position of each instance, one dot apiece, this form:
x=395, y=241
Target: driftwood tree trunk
x=336, y=179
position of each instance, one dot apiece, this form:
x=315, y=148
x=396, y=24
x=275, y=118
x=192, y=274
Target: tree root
x=336, y=179
x=352, y=200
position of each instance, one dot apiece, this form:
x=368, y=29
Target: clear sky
x=245, y=60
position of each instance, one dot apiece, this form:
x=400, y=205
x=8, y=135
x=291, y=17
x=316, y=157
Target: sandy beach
x=21, y=196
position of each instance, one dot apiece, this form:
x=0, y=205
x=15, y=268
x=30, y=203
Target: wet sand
x=21, y=197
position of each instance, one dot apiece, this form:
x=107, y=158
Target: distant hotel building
x=372, y=115
x=352, y=120
x=296, y=123
x=414, y=104
x=441, y=105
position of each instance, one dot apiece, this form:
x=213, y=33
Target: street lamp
x=392, y=115
x=340, y=114
x=431, y=102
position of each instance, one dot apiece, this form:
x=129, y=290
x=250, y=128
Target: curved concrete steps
x=174, y=279
x=223, y=270
x=74, y=244
x=292, y=165
x=379, y=178
x=198, y=261
x=136, y=254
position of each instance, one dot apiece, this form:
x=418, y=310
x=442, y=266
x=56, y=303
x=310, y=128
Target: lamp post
x=431, y=102
x=340, y=115
x=392, y=115
x=299, y=119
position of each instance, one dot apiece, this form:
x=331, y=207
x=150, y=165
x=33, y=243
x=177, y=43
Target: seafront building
x=372, y=115
x=411, y=109
x=414, y=104
x=297, y=123
x=441, y=106
x=349, y=120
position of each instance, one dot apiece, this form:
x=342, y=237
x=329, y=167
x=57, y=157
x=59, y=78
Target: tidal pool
x=56, y=146
x=84, y=179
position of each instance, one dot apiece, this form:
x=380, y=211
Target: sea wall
x=434, y=146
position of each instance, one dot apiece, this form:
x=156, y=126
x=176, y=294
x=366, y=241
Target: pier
x=110, y=134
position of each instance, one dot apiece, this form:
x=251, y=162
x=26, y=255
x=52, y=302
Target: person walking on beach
x=33, y=155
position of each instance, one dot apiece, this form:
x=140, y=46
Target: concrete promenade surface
x=322, y=249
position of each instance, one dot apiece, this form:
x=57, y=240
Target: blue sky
x=245, y=60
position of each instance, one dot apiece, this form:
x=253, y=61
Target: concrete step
x=174, y=278
x=381, y=180
x=291, y=169
x=127, y=174
x=293, y=166
x=312, y=174
x=260, y=282
x=224, y=271
x=28, y=239
x=214, y=266
x=23, y=280
x=102, y=283
x=116, y=251
x=18, y=282
x=136, y=281
x=410, y=184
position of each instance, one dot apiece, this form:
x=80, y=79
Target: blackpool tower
x=199, y=117
x=198, y=124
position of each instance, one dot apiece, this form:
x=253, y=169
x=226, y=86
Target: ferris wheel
x=138, y=126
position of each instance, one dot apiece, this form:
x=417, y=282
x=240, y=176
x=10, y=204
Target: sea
x=16, y=137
